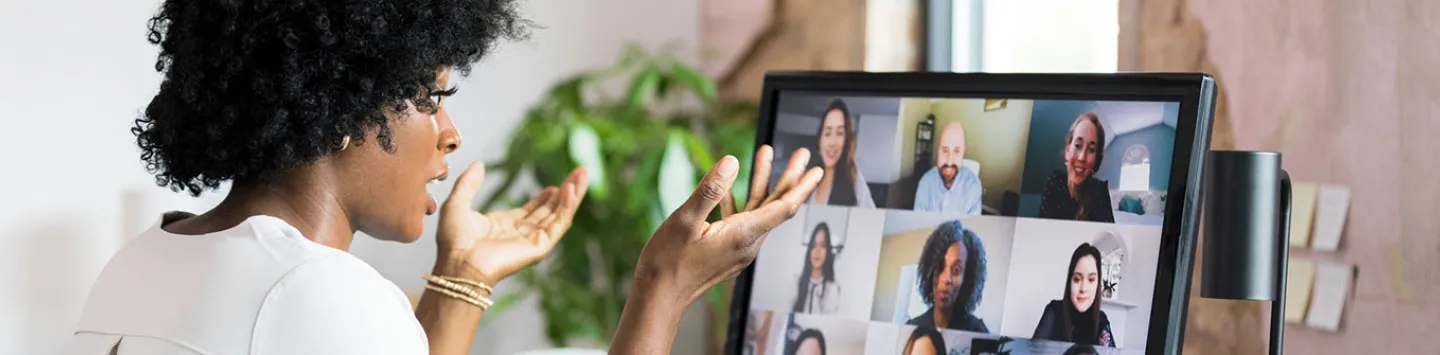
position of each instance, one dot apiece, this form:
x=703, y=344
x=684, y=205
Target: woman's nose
x=450, y=139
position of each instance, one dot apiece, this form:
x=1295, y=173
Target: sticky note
x=1302, y=212
x=1298, y=283
x=1331, y=207
x=1332, y=287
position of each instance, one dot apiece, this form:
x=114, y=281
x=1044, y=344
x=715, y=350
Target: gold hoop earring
x=344, y=143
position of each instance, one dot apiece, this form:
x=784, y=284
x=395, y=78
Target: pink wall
x=1349, y=91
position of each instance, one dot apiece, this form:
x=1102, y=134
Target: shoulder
x=1052, y=308
x=336, y=304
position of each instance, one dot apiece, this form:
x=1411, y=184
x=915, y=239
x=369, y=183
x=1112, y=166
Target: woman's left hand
x=492, y=246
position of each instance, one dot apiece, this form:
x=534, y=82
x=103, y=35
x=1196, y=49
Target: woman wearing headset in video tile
x=328, y=118
x=952, y=279
x=817, y=291
x=1074, y=193
x=1077, y=317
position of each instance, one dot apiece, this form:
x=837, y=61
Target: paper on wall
x=1302, y=212
x=1332, y=287
x=1331, y=208
x=1298, y=283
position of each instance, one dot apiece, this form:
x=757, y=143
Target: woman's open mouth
x=433, y=206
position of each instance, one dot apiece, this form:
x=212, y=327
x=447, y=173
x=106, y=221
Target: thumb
x=712, y=188
x=466, y=186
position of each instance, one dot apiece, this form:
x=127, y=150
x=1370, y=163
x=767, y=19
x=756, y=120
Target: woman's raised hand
x=493, y=246
x=687, y=255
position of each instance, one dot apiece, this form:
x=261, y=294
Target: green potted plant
x=645, y=150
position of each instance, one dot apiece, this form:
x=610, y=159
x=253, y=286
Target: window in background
x=1035, y=36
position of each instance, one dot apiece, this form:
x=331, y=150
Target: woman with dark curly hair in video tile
x=952, y=279
x=817, y=291
x=925, y=341
x=1077, y=317
x=1074, y=193
x=328, y=118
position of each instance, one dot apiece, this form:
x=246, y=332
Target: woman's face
x=921, y=346
x=832, y=138
x=817, y=249
x=1083, y=283
x=947, y=284
x=810, y=346
x=388, y=197
x=1080, y=152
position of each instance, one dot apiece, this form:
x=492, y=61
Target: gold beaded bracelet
x=475, y=284
x=458, y=296
x=460, y=289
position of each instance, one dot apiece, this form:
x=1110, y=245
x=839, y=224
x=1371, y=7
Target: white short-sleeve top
x=257, y=288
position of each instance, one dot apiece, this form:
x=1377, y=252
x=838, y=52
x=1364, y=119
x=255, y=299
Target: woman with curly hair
x=952, y=279
x=328, y=118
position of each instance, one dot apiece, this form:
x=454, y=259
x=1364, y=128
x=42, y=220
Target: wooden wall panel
x=1350, y=93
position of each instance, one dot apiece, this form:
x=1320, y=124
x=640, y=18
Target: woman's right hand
x=688, y=255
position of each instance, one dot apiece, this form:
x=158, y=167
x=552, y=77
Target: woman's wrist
x=459, y=267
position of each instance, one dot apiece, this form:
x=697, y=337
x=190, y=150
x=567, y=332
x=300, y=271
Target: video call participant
x=949, y=187
x=818, y=292
x=842, y=185
x=1081, y=349
x=952, y=278
x=925, y=341
x=1077, y=318
x=809, y=342
x=1075, y=193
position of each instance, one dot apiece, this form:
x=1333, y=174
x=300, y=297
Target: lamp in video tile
x=1246, y=225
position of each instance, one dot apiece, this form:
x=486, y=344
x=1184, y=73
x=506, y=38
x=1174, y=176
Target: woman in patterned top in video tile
x=1078, y=317
x=952, y=278
x=1074, y=193
x=817, y=291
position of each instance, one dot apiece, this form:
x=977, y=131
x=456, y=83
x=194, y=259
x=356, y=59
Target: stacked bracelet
x=462, y=289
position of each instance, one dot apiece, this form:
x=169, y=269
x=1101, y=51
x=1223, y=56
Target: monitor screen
x=966, y=225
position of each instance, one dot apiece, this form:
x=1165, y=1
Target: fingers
x=463, y=194
x=791, y=176
x=773, y=214
x=760, y=181
x=712, y=188
x=727, y=206
x=556, y=225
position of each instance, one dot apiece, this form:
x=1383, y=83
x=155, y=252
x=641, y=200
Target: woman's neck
x=942, y=317
x=816, y=274
x=306, y=203
x=1075, y=189
x=826, y=185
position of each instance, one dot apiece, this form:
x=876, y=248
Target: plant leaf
x=703, y=86
x=677, y=174
x=585, y=151
x=643, y=87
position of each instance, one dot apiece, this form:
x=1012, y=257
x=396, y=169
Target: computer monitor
x=980, y=214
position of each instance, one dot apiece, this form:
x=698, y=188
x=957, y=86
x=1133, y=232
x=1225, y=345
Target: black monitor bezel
x=1194, y=91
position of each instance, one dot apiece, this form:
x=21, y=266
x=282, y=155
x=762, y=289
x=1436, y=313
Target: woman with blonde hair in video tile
x=1074, y=193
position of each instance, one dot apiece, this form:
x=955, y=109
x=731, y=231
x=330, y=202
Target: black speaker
x=1247, y=229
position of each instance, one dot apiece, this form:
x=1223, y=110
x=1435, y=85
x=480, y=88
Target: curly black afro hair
x=254, y=88
x=932, y=263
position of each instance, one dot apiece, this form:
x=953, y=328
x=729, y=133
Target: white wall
x=75, y=73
